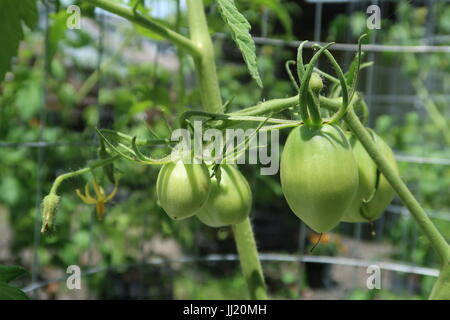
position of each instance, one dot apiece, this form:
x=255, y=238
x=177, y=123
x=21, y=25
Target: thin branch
x=148, y=23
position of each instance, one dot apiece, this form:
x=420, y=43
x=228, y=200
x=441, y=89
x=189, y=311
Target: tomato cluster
x=185, y=190
x=326, y=174
x=327, y=177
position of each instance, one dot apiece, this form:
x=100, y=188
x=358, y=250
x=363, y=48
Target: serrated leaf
x=12, y=14
x=9, y=273
x=240, y=30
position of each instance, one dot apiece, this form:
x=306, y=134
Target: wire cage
x=160, y=269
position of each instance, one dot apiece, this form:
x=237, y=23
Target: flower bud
x=49, y=207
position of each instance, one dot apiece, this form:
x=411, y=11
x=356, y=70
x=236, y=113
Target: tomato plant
x=324, y=177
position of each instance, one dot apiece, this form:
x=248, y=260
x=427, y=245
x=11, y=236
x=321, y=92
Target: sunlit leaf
x=240, y=30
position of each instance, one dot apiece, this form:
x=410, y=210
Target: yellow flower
x=100, y=199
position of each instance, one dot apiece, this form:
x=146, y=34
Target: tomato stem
x=248, y=255
x=212, y=102
x=441, y=288
x=68, y=175
x=148, y=23
x=204, y=62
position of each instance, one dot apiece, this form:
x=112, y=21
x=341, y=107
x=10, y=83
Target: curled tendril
x=345, y=96
x=287, y=66
x=304, y=87
x=300, y=66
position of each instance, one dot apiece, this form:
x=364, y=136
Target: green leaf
x=10, y=293
x=240, y=30
x=9, y=273
x=12, y=14
x=56, y=32
x=28, y=12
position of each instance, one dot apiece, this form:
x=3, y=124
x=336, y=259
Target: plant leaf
x=240, y=30
x=56, y=31
x=12, y=14
x=9, y=273
x=11, y=293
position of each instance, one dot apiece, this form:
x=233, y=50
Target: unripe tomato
x=379, y=193
x=367, y=171
x=316, y=83
x=229, y=201
x=182, y=188
x=319, y=175
x=384, y=194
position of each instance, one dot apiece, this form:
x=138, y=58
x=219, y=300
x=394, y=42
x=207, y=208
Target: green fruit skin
x=316, y=83
x=365, y=212
x=182, y=188
x=367, y=172
x=319, y=175
x=384, y=194
x=229, y=201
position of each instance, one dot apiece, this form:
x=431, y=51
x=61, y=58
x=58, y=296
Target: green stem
x=204, y=62
x=148, y=23
x=251, y=267
x=68, y=175
x=441, y=288
x=212, y=102
x=228, y=117
x=343, y=108
x=269, y=106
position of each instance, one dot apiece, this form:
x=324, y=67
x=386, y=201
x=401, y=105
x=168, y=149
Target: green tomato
x=182, y=188
x=384, y=193
x=367, y=171
x=315, y=83
x=229, y=201
x=319, y=175
x=374, y=193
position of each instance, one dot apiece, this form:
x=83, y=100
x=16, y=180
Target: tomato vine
x=332, y=177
